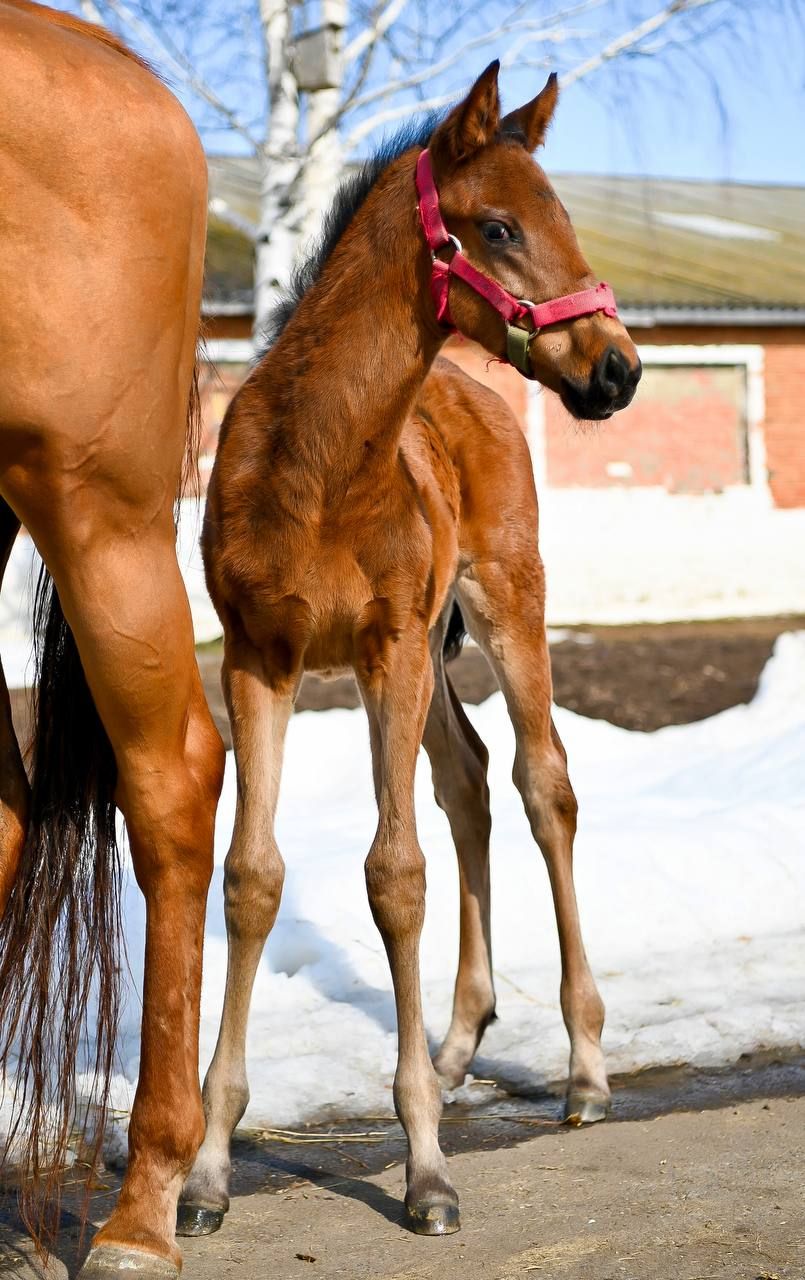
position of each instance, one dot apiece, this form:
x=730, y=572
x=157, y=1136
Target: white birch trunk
x=323, y=166
x=322, y=171
x=278, y=231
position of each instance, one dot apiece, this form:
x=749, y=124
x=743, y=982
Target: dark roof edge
x=648, y=317
x=638, y=317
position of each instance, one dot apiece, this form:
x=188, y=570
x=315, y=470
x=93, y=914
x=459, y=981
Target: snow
x=643, y=555
x=690, y=869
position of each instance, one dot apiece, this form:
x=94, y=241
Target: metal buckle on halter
x=517, y=343
x=457, y=245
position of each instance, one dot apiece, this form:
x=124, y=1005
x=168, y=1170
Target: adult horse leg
x=503, y=604
x=119, y=586
x=397, y=693
x=458, y=761
x=253, y=878
x=14, y=789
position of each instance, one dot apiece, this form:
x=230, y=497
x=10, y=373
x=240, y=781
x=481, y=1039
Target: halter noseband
x=513, y=310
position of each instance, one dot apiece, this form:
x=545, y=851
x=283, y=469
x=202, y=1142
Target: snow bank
x=644, y=555
x=690, y=868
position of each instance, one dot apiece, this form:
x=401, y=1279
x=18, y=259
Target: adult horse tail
x=61, y=934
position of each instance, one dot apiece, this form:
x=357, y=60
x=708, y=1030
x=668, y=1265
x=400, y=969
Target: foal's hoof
x=432, y=1219
x=196, y=1220
x=110, y=1262
x=581, y=1109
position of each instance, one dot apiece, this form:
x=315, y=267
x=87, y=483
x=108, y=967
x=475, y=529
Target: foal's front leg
x=253, y=878
x=397, y=699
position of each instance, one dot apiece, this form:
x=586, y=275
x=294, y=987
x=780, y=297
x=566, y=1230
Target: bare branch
x=395, y=113
x=179, y=66
x=540, y=32
x=629, y=39
x=375, y=31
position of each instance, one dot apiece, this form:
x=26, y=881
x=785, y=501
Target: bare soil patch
x=639, y=677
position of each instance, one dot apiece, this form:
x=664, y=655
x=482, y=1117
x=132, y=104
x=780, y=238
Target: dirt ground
x=639, y=677
x=696, y=1177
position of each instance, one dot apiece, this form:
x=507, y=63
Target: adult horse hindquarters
x=103, y=214
x=337, y=526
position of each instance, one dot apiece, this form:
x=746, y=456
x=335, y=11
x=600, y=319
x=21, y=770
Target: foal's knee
x=254, y=874
x=395, y=882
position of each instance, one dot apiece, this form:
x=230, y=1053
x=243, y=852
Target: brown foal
x=103, y=212
x=358, y=489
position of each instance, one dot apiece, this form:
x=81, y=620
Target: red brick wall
x=785, y=422
x=784, y=384
x=685, y=431
x=715, y=458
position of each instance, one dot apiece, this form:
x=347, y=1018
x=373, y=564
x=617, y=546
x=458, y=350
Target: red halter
x=568, y=307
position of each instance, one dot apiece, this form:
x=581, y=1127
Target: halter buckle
x=457, y=245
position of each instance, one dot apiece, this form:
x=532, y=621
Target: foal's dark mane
x=348, y=199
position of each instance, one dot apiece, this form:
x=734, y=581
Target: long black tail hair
x=61, y=937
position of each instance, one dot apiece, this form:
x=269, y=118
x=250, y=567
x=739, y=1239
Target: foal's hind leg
x=253, y=880
x=14, y=791
x=458, y=760
x=396, y=694
x=503, y=605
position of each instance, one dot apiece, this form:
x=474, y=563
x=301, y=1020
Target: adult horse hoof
x=432, y=1219
x=581, y=1110
x=109, y=1262
x=196, y=1220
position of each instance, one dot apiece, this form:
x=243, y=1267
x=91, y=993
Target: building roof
x=670, y=249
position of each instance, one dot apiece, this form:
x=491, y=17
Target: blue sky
x=728, y=106
x=674, y=126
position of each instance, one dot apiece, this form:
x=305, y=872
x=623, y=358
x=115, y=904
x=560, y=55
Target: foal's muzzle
x=611, y=386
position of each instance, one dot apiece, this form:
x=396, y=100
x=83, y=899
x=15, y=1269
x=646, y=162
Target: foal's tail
x=455, y=634
x=60, y=935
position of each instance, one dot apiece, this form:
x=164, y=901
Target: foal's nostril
x=613, y=373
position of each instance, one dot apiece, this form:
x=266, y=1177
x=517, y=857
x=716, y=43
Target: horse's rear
x=103, y=217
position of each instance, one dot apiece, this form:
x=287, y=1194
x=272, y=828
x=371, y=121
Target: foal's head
x=500, y=205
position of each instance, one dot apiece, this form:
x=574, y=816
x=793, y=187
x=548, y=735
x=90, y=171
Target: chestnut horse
x=353, y=496
x=103, y=217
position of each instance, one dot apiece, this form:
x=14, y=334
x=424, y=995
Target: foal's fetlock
x=203, y=1202
x=454, y=1058
x=431, y=1206
x=588, y=1096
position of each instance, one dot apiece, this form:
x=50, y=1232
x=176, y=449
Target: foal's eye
x=496, y=232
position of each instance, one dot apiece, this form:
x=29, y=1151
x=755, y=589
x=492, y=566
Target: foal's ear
x=473, y=123
x=533, y=119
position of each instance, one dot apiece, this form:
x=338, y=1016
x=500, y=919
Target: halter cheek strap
x=513, y=310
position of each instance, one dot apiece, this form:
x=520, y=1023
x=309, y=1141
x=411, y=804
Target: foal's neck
x=345, y=372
